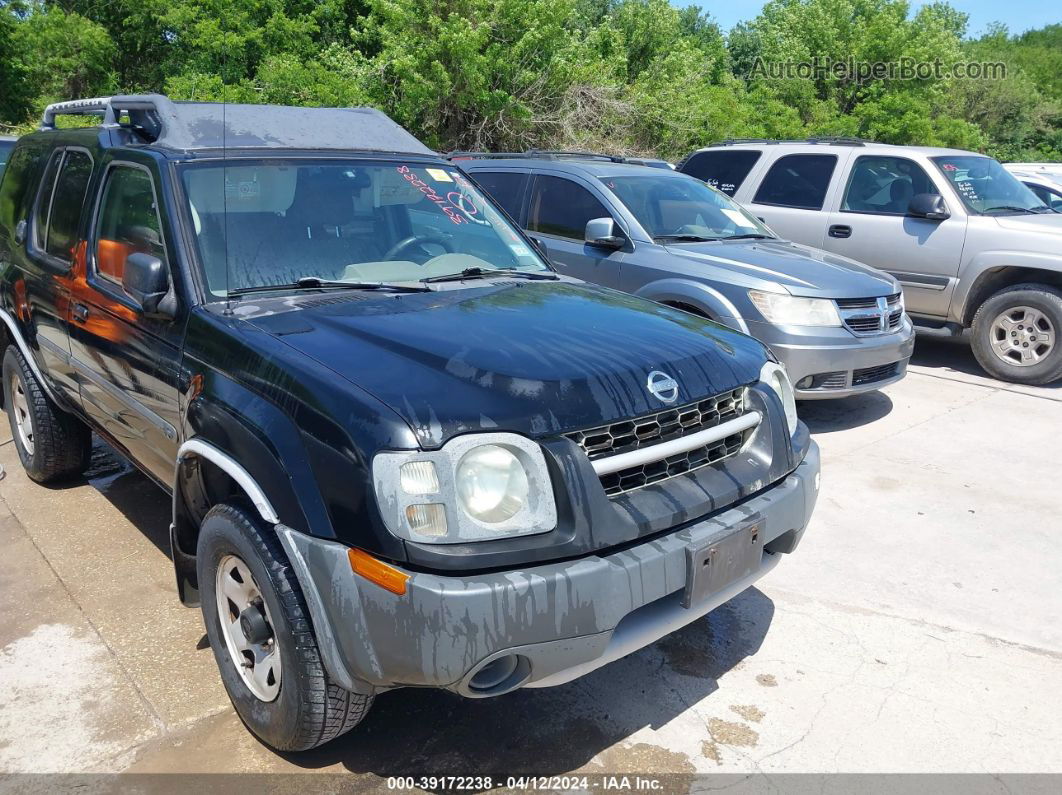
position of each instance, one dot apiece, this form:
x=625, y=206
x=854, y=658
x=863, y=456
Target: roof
x=210, y=125
x=593, y=168
x=812, y=144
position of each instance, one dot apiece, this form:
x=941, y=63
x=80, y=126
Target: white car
x=1043, y=179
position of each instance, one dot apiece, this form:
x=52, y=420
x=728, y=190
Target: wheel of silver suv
x=1022, y=336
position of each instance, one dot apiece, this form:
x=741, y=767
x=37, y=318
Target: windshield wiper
x=686, y=238
x=1012, y=209
x=316, y=283
x=750, y=236
x=487, y=273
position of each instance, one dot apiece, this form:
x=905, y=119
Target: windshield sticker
x=455, y=214
x=737, y=217
x=438, y=175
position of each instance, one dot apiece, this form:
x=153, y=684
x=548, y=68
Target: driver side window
x=884, y=185
x=561, y=207
x=128, y=222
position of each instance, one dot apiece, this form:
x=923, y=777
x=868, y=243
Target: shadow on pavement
x=956, y=356
x=553, y=730
x=129, y=490
x=830, y=416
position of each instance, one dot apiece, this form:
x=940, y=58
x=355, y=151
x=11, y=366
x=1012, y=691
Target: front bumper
x=839, y=363
x=558, y=621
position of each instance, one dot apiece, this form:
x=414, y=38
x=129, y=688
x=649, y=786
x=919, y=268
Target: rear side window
x=67, y=202
x=561, y=207
x=128, y=222
x=44, y=200
x=799, y=181
x=723, y=170
x=505, y=187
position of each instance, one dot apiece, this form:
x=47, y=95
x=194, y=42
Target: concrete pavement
x=916, y=629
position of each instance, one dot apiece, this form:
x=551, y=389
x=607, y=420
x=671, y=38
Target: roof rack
x=212, y=125
x=544, y=154
x=142, y=109
x=549, y=154
x=835, y=140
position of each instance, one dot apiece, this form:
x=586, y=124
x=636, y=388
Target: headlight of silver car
x=791, y=310
x=774, y=376
x=477, y=487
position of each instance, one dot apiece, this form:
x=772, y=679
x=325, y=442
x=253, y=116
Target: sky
x=1017, y=15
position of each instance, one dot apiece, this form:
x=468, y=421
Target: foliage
x=635, y=76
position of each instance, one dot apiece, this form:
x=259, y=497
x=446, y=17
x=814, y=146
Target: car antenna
x=225, y=194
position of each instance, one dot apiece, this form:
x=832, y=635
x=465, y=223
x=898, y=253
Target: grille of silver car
x=621, y=437
x=869, y=375
x=865, y=317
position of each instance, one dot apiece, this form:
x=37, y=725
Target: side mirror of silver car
x=603, y=232
x=929, y=206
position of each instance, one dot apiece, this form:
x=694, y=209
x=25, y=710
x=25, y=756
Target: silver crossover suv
x=838, y=326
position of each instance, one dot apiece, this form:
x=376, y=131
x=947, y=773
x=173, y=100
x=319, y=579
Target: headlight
x=789, y=310
x=774, y=376
x=491, y=484
x=478, y=487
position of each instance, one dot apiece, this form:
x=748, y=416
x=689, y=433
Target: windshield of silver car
x=986, y=188
x=297, y=222
x=674, y=208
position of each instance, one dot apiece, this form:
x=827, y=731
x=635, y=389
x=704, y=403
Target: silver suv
x=838, y=326
x=975, y=250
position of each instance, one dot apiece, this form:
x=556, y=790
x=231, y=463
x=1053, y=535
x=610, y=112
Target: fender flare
x=974, y=273
x=27, y=354
x=198, y=447
x=697, y=294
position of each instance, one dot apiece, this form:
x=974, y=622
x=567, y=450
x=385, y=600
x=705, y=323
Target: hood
x=801, y=270
x=535, y=358
x=1046, y=223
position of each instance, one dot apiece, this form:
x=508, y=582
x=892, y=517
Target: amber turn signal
x=373, y=570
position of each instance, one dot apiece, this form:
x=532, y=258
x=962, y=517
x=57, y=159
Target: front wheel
x=263, y=642
x=1016, y=334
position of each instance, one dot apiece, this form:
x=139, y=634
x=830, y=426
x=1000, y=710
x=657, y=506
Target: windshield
x=683, y=207
x=269, y=223
x=985, y=187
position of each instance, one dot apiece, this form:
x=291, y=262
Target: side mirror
x=603, y=232
x=540, y=247
x=144, y=280
x=929, y=206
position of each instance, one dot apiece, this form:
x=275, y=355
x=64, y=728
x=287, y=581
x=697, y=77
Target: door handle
x=81, y=312
x=840, y=230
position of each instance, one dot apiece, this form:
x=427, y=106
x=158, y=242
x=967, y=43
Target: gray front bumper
x=811, y=351
x=562, y=619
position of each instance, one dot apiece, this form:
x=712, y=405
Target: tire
x=51, y=444
x=306, y=709
x=1002, y=320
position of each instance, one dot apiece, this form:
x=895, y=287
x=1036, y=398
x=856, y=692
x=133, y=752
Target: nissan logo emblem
x=663, y=386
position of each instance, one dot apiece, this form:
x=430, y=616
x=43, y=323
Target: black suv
x=401, y=450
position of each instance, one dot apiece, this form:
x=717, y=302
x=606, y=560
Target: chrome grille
x=622, y=437
x=867, y=316
x=625, y=480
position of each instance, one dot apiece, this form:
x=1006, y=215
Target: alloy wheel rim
x=1022, y=336
x=244, y=617
x=21, y=412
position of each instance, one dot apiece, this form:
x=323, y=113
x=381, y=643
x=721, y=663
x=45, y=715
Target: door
x=50, y=239
x=871, y=225
x=792, y=194
x=557, y=213
x=126, y=363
